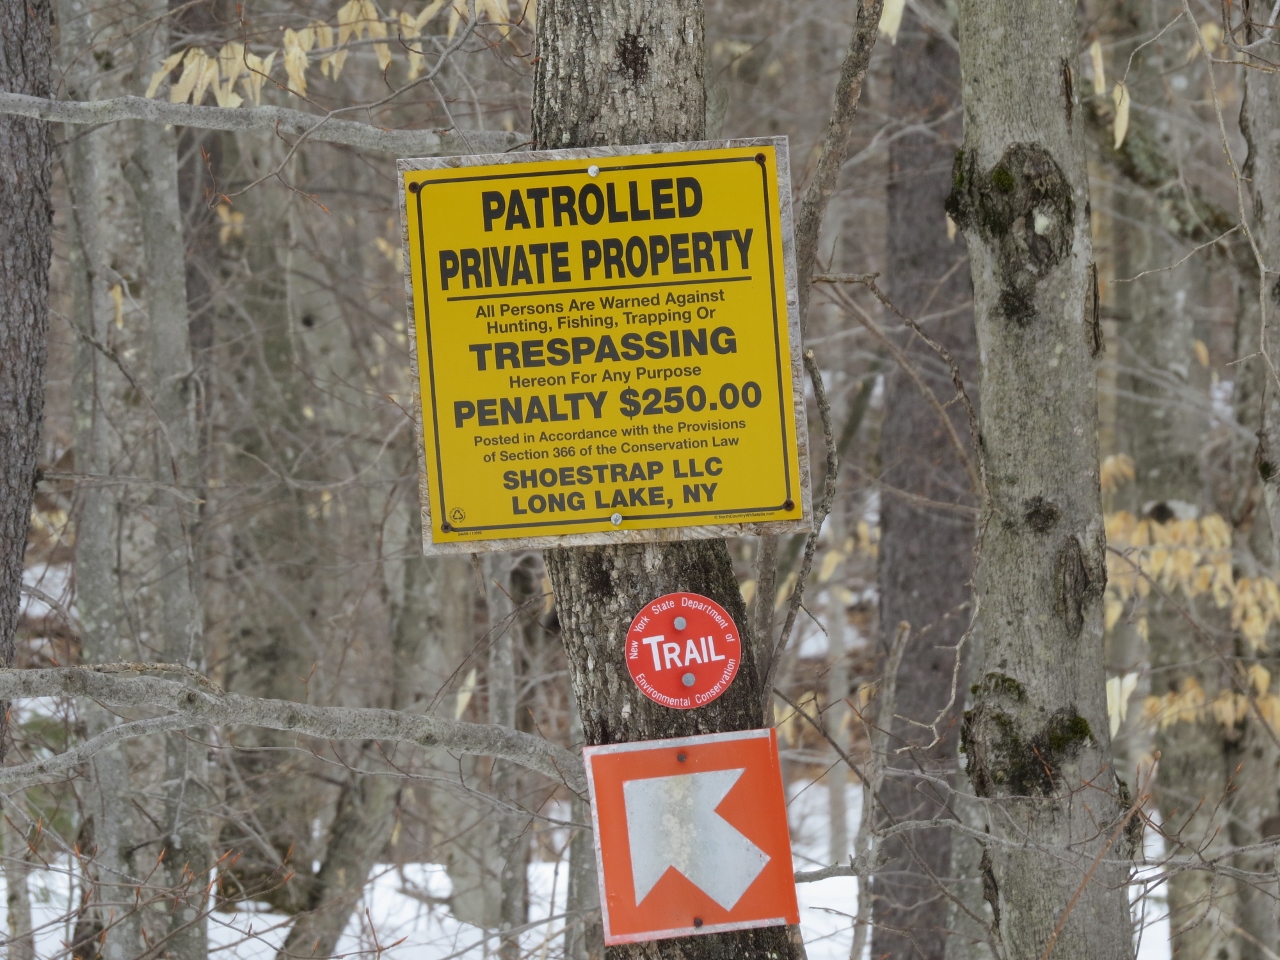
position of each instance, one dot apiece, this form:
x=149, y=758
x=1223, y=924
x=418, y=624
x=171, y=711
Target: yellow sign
x=606, y=345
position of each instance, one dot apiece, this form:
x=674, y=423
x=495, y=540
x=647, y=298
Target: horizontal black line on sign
x=519, y=173
x=623, y=286
x=625, y=517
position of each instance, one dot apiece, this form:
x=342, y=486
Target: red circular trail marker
x=683, y=650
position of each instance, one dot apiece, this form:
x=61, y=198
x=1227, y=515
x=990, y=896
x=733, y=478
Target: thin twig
x=821, y=509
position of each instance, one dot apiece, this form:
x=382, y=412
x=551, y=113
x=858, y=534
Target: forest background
x=247, y=717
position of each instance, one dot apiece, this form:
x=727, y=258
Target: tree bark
x=427, y=617
x=1163, y=431
x=618, y=72
x=26, y=244
x=1037, y=738
x=91, y=166
x=836, y=715
x=1256, y=807
x=153, y=174
x=584, y=935
x=511, y=829
x=17, y=868
x=926, y=555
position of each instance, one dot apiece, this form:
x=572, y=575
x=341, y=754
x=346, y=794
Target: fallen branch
x=201, y=708
x=268, y=119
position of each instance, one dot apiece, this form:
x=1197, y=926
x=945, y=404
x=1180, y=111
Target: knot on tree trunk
x=1003, y=762
x=1023, y=209
x=1080, y=578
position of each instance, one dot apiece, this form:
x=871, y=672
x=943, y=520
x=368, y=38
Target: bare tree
x=926, y=539
x=1036, y=738
x=26, y=213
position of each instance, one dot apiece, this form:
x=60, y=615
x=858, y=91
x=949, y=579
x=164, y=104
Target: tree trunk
x=1256, y=808
x=1037, y=739
x=17, y=868
x=427, y=619
x=617, y=72
x=1163, y=430
x=926, y=555
x=92, y=164
x=26, y=243
x=836, y=715
x=584, y=934
x=153, y=173
x=511, y=829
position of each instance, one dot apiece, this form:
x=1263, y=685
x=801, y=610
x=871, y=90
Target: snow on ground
x=403, y=916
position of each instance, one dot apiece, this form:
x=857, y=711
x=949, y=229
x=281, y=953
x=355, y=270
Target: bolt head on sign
x=691, y=836
x=683, y=650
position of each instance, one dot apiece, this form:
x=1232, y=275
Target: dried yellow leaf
x=231, y=60
x=1121, y=97
x=1115, y=471
x=1119, y=689
x=1114, y=611
x=891, y=18
x=258, y=70
x=1269, y=707
x=159, y=76
x=1202, y=353
x=296, y=45
x=232, y=223
x=1211, y=34
x=377, y=30
x=829, y=563
x=1156, y=559
x=465, y=693
x=456, y=14
x=181, y=91
x=1259, y=678
x=784, y=591
x=117, y=297
x=1119, y=526
x=1099, y=71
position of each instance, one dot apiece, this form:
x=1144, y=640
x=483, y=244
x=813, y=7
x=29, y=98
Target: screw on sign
x=683, y=650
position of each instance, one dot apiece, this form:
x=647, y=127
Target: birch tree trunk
x=26, y=243
x=618, y=72
x=1037, y=737
x=926, y=555
x=1257, y=805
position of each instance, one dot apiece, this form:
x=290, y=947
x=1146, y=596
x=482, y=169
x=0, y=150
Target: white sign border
x=635, y=535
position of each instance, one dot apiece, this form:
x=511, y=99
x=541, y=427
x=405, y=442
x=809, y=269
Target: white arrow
x=672, y=822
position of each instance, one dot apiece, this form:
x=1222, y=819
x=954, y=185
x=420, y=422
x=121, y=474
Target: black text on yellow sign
x=604, y=344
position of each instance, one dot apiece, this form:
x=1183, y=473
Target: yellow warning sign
x=606, y=345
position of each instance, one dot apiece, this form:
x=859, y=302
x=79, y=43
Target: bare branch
x=836, y=145
x=856, y=867
x=268, y=119
x=327, y=723
x=70, y=759
x=820, y=511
